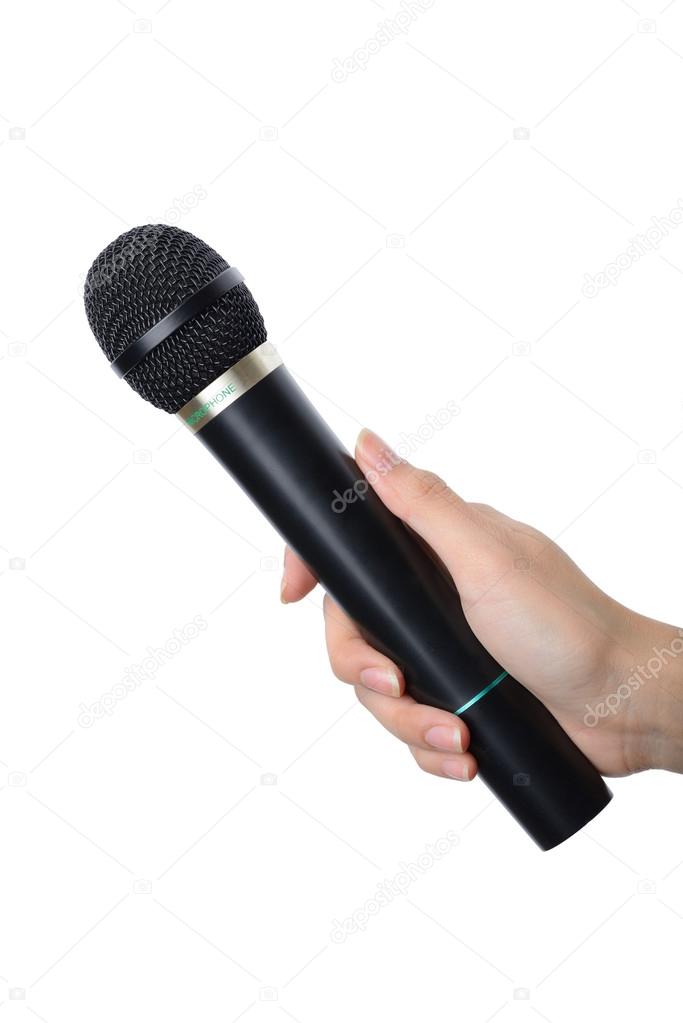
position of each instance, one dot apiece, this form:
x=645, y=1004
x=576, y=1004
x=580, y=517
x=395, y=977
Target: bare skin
x=612, y=678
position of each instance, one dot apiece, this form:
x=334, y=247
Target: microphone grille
x=140, y=278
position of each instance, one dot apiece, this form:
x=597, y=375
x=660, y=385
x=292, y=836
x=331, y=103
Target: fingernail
x=283, y=590
x=445, y=738
x=381, y=680
x=456, y=769
x=376, y=451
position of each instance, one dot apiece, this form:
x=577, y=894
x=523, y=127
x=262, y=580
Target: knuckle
x=404, y=722
x=430, y=487
x=534, y=546
x=335, y=670
x=483, y=509
x=420, y=759
x=338, y=669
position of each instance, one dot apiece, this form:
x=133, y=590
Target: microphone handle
x=281, y=452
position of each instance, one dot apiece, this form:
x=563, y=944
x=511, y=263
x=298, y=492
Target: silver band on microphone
x=230, y=386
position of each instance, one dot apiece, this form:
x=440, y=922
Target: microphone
x=182, y=328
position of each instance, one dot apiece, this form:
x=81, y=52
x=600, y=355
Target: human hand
x=579, y=651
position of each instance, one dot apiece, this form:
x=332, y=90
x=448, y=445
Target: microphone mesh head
x=143, y=276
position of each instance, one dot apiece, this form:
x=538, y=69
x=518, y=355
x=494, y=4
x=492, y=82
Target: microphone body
x=280, y=451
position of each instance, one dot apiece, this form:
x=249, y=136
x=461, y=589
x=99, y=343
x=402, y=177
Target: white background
x=186, y=856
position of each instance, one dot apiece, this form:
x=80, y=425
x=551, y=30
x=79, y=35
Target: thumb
x=454, y=529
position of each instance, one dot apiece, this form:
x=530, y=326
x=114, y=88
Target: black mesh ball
x=143, y=276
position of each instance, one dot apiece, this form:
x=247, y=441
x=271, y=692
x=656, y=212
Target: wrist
x=651, y=692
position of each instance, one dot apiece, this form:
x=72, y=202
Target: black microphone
x=181, y=326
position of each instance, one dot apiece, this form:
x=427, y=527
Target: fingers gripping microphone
x=183, y=329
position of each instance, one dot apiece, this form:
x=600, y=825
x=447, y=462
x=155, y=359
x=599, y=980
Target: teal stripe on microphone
x=482, y=694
